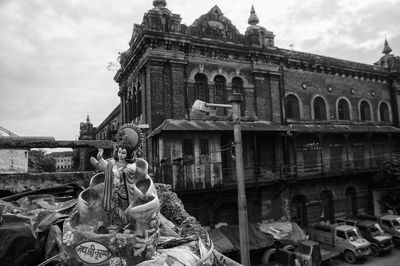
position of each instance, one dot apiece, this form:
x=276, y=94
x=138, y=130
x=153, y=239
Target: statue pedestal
x=82, y=246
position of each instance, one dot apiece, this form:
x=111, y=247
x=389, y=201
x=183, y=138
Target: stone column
x=167, y=91
x=155, y=93
x=178, y=90
x=122, y=95
x=262, y=94
x=395, y=87
x=275, y=98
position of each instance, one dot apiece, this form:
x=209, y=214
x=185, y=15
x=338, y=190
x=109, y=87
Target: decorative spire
x=159, y=3
x=87, y=119
x=386, y=48
x=253, y=19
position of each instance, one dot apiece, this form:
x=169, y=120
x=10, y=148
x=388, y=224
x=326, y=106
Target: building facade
x=108, y=129
x=64, y=160
x=82, y=155
x=314, y=128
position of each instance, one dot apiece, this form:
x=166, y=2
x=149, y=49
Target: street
x=389, y=259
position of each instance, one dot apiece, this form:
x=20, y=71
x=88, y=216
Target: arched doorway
x=298, y=210
x=227, y=213
x=327, y=212
x=351, y=202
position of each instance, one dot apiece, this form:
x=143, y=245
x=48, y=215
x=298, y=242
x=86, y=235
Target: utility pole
x=234, y=105
x=235, y=101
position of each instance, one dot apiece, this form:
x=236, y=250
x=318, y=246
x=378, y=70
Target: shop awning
x=329, y=128
x=266, y=126
x=203, y=125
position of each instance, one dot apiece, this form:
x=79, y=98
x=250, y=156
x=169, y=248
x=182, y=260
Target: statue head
x=129, y=140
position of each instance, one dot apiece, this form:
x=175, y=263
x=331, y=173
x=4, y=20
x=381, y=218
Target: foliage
x=388, y=179
x=38, y=162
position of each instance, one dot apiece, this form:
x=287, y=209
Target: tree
x=38, y=162
x=388, y=180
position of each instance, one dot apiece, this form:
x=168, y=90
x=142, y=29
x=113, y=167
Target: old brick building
x=314, y=128
x=82, y=155
x=107, y=130
x=109, y=127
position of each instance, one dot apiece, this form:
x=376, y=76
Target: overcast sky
x=54, y=53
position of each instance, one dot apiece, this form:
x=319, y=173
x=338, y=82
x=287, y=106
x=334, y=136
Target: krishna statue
x=116, y=221
x=123, y=218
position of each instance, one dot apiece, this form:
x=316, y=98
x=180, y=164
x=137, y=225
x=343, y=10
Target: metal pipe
x=218, y=105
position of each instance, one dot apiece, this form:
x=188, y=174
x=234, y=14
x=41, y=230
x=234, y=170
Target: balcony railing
x=212, y=175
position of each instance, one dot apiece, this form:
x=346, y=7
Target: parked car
x=343, y=238
x=389, y=223
x=307, y=253
x=371, y=230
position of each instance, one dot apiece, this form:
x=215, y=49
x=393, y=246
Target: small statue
x=118, y=219
x=118, y=215
x=126, y=180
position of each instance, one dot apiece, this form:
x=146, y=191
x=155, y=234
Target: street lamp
x=234, y=105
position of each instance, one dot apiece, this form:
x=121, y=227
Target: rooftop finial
x=87, y=119
x=253, y=19
x=386, y=48
x=159, y=3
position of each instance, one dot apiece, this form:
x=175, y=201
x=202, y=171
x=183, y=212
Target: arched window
x=138, y=100
x=365, y=111
x=384, y=112
x=130, y=107
x=237, y=87
x=262, y=38
x=165, y=22
x=220, y=89
x=327, y=213
x=292, y=107
x=319, y=109
x=351, y=202
x=299, y=210
x=201, y=87
x=343, y=110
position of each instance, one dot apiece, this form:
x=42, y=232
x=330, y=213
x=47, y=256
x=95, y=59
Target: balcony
x=212, y=176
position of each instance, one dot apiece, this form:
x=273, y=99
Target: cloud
x=54, y=53
x=337, y=29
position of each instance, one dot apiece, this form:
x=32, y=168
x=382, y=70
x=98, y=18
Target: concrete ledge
x=50, y=142
x=16, y=183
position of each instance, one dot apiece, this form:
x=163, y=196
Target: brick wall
x=317, y=83
x=178, y=91
x=262, y=94
x=156, y=96
x=275, y=99
x=166, y=90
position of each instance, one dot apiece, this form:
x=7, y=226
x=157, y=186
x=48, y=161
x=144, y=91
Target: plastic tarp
x=261, y=235
x=226, y=238
x=283, y=231
x=28, y=227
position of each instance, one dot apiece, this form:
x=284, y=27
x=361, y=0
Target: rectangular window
x=358, y=156
x=188, y=148
x=336, y=158
x=378, y=153
x=204, y=147
x=341, y=234
x=386, y=223
x=188, y=151
x=310, y=160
